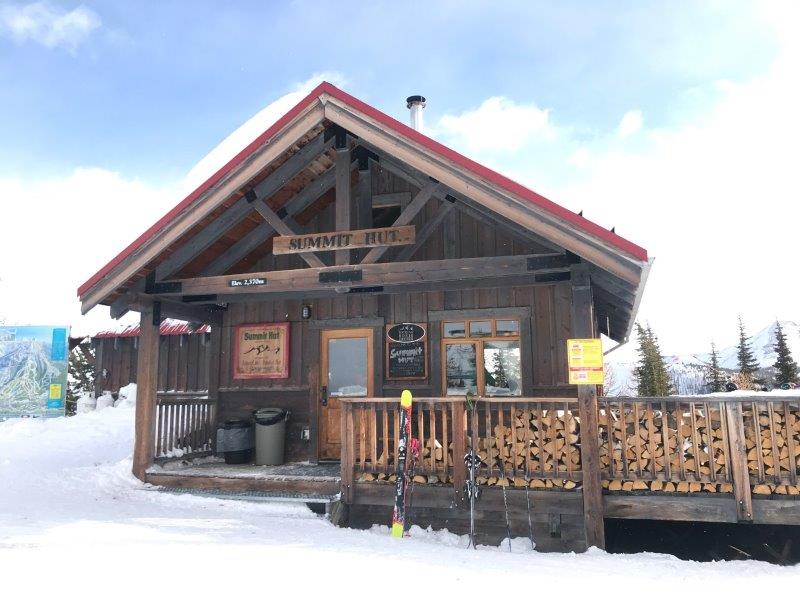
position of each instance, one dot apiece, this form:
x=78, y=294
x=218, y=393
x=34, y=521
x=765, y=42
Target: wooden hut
x=342, y=257
x=182, y=357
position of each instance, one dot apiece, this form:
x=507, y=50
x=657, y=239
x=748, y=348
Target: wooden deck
x=728, y=459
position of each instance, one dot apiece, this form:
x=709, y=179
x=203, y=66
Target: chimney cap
x=411, y=100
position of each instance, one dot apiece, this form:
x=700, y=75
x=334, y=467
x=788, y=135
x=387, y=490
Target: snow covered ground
x=73, y=519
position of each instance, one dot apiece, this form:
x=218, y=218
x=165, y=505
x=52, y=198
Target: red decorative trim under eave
x=447, y=153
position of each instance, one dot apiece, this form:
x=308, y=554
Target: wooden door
x=346, y=370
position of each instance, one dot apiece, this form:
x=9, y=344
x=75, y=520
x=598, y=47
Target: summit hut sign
x=345, y=240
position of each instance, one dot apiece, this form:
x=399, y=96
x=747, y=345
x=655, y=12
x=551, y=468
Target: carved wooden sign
x=344, y=240
x=261, y=351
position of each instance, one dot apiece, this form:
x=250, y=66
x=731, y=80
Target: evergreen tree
x=748, y=365
x=81, y=376
x=714, y=380
x=652, y=377
x=785, y=365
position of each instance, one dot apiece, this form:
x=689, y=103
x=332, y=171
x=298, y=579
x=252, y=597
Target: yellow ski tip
x=397, y=530
x=406, y=399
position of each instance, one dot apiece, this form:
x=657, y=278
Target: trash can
x=270, y=435
x=235, y=441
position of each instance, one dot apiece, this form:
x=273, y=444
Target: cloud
x=497, y=125
x=50, y=26
x=61, y=230
x=56, y=232
x=631, y=123
x=714, y=196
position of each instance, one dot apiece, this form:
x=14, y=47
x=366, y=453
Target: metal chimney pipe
x=416, y=104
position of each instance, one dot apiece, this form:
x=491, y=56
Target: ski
x=472, y=462
x=399, y=514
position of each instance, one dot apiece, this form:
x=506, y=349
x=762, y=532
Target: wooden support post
x=214, y=363
x=347, y=455
x=459, y=420
x=583, y=327
x=738, y=453
x=342, y=207
x=146, y=389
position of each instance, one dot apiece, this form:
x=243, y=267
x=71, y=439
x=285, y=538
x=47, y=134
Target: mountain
x=689, y=370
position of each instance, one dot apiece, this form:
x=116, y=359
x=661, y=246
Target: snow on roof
x=168, y=327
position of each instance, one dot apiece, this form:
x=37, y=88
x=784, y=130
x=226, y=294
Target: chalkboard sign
x=406, y=359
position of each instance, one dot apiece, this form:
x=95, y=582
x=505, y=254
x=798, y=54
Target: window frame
x=478, y=342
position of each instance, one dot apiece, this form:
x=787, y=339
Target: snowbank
x=69, y=507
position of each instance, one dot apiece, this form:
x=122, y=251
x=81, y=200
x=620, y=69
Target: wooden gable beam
x=382, y=274
x=408, y=214
x=297, y=204
x=343, y=194
x=534, y=218
x=283, y=229
x=426, y=231
x=292, y=167
x=230, y=217
x=304, y=122
x=465, y=204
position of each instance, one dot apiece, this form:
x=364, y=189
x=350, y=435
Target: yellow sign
x=55, y=391
x=585, y=361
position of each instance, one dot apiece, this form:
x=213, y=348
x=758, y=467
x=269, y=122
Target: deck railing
x=683, y=444
x=184, y=424
x=527, y=439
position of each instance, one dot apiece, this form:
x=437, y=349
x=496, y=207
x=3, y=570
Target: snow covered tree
x=652, y=378
x=748, y=365
x=714, y=379
x=785, y=365
x=81, y=375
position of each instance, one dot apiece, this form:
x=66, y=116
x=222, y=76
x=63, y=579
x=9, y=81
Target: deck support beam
x=583, y=327
x=146, y=389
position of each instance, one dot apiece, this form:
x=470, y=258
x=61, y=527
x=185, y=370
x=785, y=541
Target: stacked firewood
x=773, y=449
x=642, y=451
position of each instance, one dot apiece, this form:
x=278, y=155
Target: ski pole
x=502, y=469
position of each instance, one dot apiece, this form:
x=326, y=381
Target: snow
x=73, y=518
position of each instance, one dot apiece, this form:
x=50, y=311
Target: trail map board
x=33, y=370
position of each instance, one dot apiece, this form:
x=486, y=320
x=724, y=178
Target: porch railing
x=740, y=445
x=537, y=437
x=184, y=425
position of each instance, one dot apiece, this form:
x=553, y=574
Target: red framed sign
x=261, y=351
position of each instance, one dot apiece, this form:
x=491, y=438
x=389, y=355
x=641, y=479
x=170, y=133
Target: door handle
x=324, y=395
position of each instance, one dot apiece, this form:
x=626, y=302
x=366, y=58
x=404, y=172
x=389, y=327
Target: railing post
x=459, y=420
x=738, y=453
x=347, y=453
x=583, y=327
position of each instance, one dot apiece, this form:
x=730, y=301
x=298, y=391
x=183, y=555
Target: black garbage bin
x=235, y=441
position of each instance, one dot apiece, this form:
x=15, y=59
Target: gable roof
x=619, y=267
x=580, y=222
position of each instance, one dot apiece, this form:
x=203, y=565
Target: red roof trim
x=166, y=328
x=445, y=152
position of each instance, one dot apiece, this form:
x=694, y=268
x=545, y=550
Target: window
x=482, y=356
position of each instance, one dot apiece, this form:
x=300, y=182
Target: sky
x=677, y=123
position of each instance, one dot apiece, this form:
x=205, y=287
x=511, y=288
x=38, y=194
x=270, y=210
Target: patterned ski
x=399, y=515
